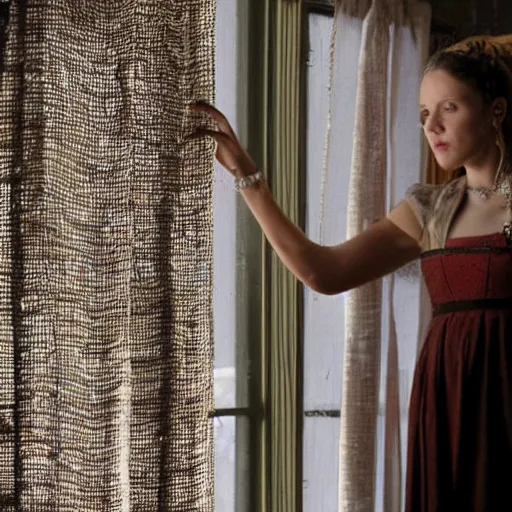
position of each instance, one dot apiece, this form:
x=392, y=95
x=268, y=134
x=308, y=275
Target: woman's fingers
x=202, y=132
x=217, y=116
x=229, y=153
x=204, y=106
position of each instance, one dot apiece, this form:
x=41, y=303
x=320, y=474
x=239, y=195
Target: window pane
x=231, y=275
x=225, y=464
x=228, y=391
x=323, y=315
x=321, y=439
x=231, y=464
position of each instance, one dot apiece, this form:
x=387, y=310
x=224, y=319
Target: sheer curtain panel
x=378, y=50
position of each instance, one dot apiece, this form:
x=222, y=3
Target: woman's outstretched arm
x=384, y=247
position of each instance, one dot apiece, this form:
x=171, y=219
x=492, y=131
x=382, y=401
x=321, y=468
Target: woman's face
x=456, y=121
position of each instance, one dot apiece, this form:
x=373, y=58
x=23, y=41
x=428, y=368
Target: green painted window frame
x=271, y=317
x=287, y=54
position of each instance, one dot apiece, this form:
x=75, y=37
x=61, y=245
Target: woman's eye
x=450, y=107
x=423, y=116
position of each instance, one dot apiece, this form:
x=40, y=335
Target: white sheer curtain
x=377, y=139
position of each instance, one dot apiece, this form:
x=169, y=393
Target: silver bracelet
x=247, y=181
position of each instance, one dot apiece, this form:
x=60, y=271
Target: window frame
x=288, y=62
x=250, y=424
x=275, y=93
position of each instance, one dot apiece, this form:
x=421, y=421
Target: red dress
x=460, y=423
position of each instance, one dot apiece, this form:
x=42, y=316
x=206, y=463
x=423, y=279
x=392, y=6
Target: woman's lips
x=441, y=146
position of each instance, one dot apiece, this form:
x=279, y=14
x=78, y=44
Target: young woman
x=460, y=425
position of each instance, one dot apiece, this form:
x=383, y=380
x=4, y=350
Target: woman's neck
x=481, y=171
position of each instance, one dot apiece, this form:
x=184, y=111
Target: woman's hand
x=230, y=154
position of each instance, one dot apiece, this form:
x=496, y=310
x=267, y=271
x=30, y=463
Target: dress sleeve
x=421, y=199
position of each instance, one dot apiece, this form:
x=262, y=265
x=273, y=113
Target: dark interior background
x=456, y=19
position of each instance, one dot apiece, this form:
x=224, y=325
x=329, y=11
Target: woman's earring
x=500, y=141
x=501, y=146
x=501, y=183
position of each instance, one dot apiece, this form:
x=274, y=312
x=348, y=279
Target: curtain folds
x=363, y=305
x=105, y=257
x=397, y=12
x=379, y=51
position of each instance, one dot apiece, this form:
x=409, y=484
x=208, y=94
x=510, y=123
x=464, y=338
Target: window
x=237, y=280
x=230, y=373
x=402, y=311
x=279, y=347
x=259, y=339
x=323, y=316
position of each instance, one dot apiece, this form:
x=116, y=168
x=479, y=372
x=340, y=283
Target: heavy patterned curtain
x=378, y=51
x=105, y=256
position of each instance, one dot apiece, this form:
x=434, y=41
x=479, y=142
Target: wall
x=469, y=17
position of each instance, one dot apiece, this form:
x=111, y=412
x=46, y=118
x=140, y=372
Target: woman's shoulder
x=425, y=198
x=425, y=193
x=434, y=207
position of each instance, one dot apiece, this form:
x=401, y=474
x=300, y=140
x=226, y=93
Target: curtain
x=105, y=256
x=378, y=50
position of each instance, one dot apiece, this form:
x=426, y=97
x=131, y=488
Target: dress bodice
x=469, y=268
